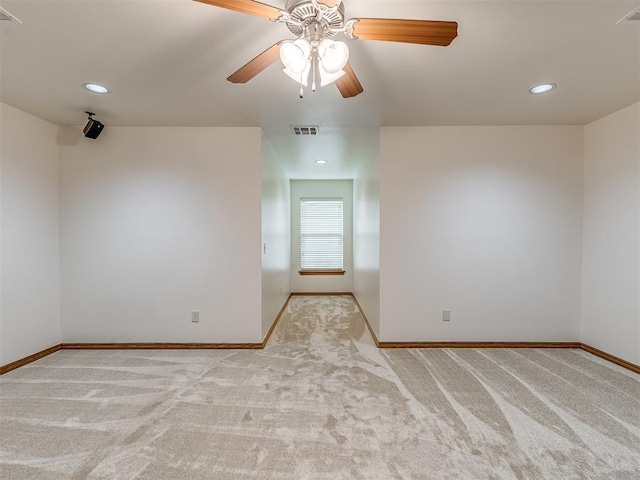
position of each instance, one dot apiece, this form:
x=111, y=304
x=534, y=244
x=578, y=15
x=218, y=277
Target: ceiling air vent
x=6, y=16
x=305, y=130
x=632, y=16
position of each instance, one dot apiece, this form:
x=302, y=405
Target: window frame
x=321, y=271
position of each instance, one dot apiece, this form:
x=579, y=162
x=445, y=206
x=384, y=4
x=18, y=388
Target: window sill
x=321, y=272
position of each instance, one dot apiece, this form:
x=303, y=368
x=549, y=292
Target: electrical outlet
x=446, y=315
x=195, y=317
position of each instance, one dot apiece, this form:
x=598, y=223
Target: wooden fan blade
x=348, y=84
x=246, y=6
x=424, y=32
x=255, y=66
x=330, y=3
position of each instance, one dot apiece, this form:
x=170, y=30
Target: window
x=321, y=237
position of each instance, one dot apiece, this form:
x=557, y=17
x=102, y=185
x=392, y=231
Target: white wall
x=30, y=247
x=322, y=189
x=1, y=155
x=611, y=240
x=276, y=236
x=486, y=222
x=366, y=236
x=156, y=223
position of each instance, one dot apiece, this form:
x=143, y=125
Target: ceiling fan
x=313, y=54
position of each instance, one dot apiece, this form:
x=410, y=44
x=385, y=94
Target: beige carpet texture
x=320, y=402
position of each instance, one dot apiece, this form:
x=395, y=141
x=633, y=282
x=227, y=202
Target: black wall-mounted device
x=93, y=128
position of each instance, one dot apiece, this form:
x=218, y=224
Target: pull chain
x=314, y=64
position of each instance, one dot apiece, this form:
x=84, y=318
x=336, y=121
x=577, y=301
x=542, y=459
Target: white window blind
x=321, y=234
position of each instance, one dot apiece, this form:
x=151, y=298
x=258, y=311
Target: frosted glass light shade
x=295, y=56
x=299, y=77
x=333, y=55
x=326, y=78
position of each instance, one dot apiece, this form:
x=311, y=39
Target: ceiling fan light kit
x=313, y=54
x=306, y=56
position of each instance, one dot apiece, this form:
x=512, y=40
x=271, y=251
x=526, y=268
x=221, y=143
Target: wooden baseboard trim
x=611, y=358
x=366, y=321
x=160, y=346
x=479, y=344
x=256, y=346
x=31, y=358
x=320, y=294
x=275, y=322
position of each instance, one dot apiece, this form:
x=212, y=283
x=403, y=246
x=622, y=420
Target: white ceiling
x=166, y=62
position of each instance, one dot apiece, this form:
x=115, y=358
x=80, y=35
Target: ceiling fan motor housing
x=304, y=13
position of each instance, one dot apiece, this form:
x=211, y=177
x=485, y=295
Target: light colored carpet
x=320, y=402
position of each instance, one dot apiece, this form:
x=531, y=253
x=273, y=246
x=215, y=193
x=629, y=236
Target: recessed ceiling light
x=95, y=88
x=321, y=162
x=543, y=88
